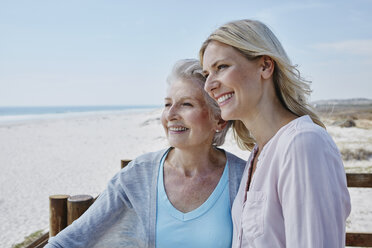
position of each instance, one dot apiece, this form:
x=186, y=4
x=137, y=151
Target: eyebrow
x=182, y=98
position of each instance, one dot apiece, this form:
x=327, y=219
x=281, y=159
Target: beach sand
x=79, y=155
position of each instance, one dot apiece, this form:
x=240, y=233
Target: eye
x=222, y=66
x=187, y=104
x=167, y=105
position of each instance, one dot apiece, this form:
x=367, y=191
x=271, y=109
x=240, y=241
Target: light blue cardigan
x=124, y=215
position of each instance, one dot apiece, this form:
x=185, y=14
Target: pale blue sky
x=118, y=52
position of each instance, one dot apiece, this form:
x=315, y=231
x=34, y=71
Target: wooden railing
x=357, y=180
x=64, y=209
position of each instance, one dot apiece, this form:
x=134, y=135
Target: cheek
x=246, y=83
x=163, y=119
x=203, y=120
x=232, y=78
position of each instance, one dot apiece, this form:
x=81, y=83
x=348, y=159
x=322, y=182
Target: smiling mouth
x=225, y=97
x=178, y=129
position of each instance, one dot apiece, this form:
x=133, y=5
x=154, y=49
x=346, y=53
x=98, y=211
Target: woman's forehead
x=216, y=51
x=185, y=88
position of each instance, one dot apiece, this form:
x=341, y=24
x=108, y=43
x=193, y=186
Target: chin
x=230, y=113
x=175, y=144
x=226, y=115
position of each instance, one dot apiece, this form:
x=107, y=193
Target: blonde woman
x=293, y=191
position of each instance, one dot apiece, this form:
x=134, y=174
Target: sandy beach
x=78, y=155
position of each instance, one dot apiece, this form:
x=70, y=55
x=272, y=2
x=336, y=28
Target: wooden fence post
x=57, y=214
x=76, y=206
x=125, y=162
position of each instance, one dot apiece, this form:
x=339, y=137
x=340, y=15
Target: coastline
x=14, y=115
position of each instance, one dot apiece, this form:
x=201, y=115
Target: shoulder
x=138, y=176
x=235, y=163
x=142, y=168
x=307, y=144
x=147, y=159
x=305, y=135
x=231, y=158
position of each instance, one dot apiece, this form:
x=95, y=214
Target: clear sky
x=118, y=52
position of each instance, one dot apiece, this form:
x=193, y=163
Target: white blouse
x=298, y=195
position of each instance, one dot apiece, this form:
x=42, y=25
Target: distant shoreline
x=14, y=115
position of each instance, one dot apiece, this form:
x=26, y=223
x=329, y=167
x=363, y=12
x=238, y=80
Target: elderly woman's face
x=186, y=118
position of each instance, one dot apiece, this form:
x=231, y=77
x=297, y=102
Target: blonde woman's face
x=232, y=80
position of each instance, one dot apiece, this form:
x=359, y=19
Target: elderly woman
x=293, y=192
x=178, y=197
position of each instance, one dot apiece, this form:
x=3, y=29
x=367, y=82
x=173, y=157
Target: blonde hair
x=190, y=69
x=254, y=39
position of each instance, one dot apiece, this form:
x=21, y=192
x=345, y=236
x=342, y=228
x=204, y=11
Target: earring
x=217, y=131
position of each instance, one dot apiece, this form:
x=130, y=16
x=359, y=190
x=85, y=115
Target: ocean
x=21, y=114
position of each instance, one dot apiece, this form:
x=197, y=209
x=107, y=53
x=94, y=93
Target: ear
x=221, y=124
x=267, y=67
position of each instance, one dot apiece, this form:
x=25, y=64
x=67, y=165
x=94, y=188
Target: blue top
x=209, y=225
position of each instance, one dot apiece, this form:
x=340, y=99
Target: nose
x=172, y=113
x=211, y=84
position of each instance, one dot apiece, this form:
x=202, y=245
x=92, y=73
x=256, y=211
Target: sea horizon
x=16, y=114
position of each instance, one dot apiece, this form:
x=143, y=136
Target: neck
x=266, y=120
x=192, y=162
